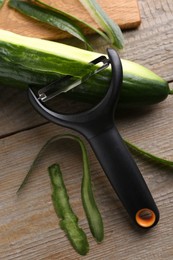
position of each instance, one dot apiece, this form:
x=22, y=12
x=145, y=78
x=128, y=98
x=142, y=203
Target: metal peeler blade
x=68, y=82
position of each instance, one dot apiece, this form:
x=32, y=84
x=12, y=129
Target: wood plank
x=29, y=227
x=16, y=112
x=152, y=43
x=125, y=13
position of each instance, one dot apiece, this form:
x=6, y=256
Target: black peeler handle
x=125, y=177
x=97, y=125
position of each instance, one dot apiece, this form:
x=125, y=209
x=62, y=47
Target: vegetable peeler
x=98, y=127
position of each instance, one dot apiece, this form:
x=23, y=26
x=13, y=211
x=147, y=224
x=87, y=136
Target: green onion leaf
x=108, y=25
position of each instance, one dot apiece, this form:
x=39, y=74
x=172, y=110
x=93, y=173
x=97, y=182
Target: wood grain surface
x=125, y=13
x=28, y=225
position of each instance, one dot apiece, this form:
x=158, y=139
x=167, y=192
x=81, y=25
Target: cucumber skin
x=26, y=64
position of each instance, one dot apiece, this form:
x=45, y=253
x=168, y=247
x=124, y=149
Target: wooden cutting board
x=124, y=12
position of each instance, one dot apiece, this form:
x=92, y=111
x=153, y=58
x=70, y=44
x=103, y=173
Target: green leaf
x=107, y=24
x=50, y=17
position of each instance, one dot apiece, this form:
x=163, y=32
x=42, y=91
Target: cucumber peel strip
x=58, y=20
x=91, y=210
x=66, y=22
x=1, y=3
x=90, y=207
x=112, y=33
x=68, y=220
x=108, y=25
x=148, y=155
x=101, y=33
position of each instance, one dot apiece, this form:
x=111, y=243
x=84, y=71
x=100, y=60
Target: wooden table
x=29, y=228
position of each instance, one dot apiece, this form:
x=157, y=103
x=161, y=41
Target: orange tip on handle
x=145, y=218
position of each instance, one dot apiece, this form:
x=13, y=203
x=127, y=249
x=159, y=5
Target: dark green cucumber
x=25, y=60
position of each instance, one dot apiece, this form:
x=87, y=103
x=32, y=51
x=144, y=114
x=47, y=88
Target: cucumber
x=25, y=61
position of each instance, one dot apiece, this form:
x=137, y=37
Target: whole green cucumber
x=25, y=60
